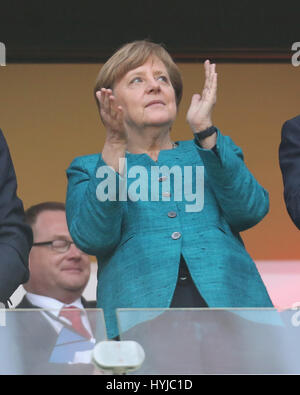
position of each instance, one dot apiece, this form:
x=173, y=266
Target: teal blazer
x=138, y=244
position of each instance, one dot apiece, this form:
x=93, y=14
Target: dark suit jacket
x=289, y=159
x=37, y=339
x=15, y=235
x=25, y=304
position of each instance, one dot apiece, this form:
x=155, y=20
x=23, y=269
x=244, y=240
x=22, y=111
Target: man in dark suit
x=289, y=159
x=15, y=235
x=59, y=273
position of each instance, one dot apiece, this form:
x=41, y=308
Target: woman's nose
x=153, y=86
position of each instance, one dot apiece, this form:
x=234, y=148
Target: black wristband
x=205, y=133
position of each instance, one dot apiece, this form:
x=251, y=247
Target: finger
x=211, y=82
x=207, y=67
x=212, y=71
x=104, y=97
x=207, y=73
x=214, y=86
x=109, y=104
x=211, y=93
x=105, y=106
x=98, y=95
x=120, y=114
x=213, y=77
x=105, y=93
x=112, y=107
x=114, y=110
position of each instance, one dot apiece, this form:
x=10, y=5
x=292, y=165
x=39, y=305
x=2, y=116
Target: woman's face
x=147, y=96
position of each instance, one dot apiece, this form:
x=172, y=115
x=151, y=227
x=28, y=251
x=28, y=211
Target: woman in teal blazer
x=163, y=217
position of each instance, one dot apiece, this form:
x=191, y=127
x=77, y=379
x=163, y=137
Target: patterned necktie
x=73, y=314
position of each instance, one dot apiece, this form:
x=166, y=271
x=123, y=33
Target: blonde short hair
x=131, y=56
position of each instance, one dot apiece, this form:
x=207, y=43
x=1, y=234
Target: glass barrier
x=214, y=341
x=37, y=341
x=174, y=341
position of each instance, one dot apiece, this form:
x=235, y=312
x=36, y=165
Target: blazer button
x=176, y=235
x=163, y=178
x=172, y=214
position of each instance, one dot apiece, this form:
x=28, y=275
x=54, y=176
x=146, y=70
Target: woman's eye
x=136, y=79
x=163, y=78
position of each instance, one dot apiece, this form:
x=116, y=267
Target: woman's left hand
x=199, y=115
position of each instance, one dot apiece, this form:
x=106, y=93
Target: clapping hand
x=199, y=115
x=112, y=116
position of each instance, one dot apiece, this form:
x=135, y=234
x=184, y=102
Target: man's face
x=54, y=273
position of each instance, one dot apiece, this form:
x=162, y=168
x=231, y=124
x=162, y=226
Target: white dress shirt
x=54, y=306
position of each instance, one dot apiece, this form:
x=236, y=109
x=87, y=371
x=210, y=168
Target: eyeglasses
x=59, y=245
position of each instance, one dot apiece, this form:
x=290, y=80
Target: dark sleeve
x=289, y=159
x=15, y=235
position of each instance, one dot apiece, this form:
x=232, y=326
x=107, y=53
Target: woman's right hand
x=112, y=117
